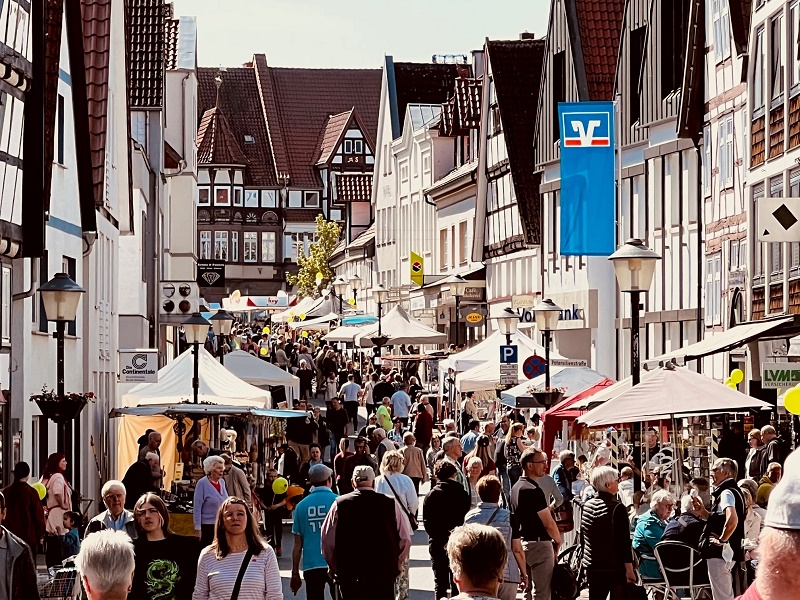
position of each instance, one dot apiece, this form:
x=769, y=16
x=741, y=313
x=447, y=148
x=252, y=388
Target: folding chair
x=683, y=569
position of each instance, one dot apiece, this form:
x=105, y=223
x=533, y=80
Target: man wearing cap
x=724, y=525
x=308, y=516
x=344, y=551
x=778, y=577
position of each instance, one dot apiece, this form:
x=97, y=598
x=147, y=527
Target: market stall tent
x=344, y=334
x=217, y=385
x=401, y=328
x=571, y=379
x=670, y=392
x=298, y=309
x=255, y=371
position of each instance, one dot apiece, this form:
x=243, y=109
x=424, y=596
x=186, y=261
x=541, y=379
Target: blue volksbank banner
x=587, y=178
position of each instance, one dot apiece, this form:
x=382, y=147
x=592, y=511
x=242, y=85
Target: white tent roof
x=401, y=328
x=300, y=308
x=345, y=334
x=489, y=349
x=255, y=371
x=315, y=324
x=217, y=385
x=668, y=392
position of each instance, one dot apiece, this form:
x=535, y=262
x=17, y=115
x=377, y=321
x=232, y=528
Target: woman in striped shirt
x=236, y=539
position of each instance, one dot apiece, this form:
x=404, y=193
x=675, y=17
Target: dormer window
x=348, y=146
x=249, y=139
x=358, y=146
x=222, y=196
x=311, y=199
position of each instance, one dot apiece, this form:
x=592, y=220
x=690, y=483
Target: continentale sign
x=138, y=366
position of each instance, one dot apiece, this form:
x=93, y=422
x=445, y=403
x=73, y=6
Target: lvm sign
x=780, y=375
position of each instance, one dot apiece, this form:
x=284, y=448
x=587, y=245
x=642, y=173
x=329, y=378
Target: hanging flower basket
x=61, y=410
x=546, y=397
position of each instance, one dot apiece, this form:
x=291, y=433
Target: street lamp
x=355, y=284
x=381, y=295
x=60, y=297
x=221, y=324
x=547, y=314
x=634, y=265
x=458, y=287
x=196, y=329
x=340, y=286
x=509, y=322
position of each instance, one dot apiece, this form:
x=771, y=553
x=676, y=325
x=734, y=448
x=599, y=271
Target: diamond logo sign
x=778, y=219
x=210, y=278
x=210, y=273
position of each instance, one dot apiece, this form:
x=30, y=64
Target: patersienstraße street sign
x=211, y=273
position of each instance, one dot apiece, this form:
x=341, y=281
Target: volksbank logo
x=586, y=129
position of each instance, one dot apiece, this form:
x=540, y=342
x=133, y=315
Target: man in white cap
x=343, y=547
x=778, y=577
x=309, y=515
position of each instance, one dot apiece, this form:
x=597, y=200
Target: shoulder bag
x=412, y=519
x=237, y=586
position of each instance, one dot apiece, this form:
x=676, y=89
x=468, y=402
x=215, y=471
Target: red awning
x=553, y=418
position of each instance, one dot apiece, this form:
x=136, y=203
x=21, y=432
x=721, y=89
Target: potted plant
x=61, y=410
x=547, y=396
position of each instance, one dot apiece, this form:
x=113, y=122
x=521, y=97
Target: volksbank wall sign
x=780, y=374
x=138, y=366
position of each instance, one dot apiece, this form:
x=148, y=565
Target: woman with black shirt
x=166, y=564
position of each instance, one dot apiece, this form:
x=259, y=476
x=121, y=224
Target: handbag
x=412, y=519
x=563, y=516
x=237, y=586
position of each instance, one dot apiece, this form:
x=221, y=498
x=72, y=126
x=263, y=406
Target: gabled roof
x=216, y=144
x=332, y=134
x=517, y=73
x=96, y=16
x=419, y=83
x=292, y=107
x=595, y=28
x=240, y=100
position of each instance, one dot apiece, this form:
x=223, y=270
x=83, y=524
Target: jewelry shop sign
x=776, y=375
x=138, y=366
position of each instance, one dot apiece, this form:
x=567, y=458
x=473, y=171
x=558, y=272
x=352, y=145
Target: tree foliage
x=305, y=281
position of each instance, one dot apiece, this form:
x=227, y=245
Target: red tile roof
x=600, y=26
x=331, y=134
x=517, y=73
x=241, y=103
x=293, y=107
x=353, y=187
x=146, y=35
x=96, y=16
x=216, y=144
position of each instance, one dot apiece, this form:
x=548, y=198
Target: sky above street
x=353, y=33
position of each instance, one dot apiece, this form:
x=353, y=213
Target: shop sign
x=522, y=301
x=776, y=375
x=138, y=366
x=736, y=278
x=417, y=303
x=211, y=273
x=473, y=319
x=579, y=309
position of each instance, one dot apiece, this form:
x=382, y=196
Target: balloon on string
x=304, y=334
x=263, y=352
x=280, y=485
x=265, y=331
x=728, y=381
x=40, y=489
x=302, y=316
x=791, y=401
x=352, y=302
x=732, y=385
x=737, y=376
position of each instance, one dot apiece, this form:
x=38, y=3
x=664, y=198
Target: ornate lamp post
x=634, y=265
x=340, y=286
x=458, y=287
x=221, y=324
x=196, y=328
x=508, y=322
x=60, y=297
x=355, y=285
x=547, y=314
x=380, y=295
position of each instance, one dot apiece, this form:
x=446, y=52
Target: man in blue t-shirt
x=309, y=515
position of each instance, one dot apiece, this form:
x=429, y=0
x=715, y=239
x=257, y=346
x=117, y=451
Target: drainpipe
x=34, y=282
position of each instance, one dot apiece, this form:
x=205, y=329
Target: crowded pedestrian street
x=356, y=300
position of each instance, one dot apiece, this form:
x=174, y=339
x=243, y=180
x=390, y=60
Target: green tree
x=305, y=281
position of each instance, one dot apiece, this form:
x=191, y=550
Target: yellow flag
x=417, y=269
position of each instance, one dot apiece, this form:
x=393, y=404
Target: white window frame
x=348, y=147
x=205, y=245
x=269, y=246
x=777, y=73
x=238, y=195
x=269, y=198
x=217, y=190
x=707, y=161
x=234, y=246
x=444, y=235
x=250, y=246
x=759, y=71
x=793, y=32
x=307, y=199
x=221, y=246
x=251, y=198
x=722, y=29
x=358, y=146
x=200, y=190
x=295, y=199
x=713, y=308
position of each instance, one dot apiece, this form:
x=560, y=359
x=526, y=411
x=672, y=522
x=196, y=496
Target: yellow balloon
x=280, y=485
x=263, y=352
x=304, y=334
x=302, y=316
x=791, y=401
x=352, y=302
x=732, y=385
x=737, y=376
x=728, y=381
x=40, y=489
x=265, y=331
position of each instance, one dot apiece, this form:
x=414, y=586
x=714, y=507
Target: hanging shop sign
x=211, y=273
x=776, y=375
x=138, y=366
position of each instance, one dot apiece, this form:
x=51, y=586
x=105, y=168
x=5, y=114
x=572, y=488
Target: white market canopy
x=401, y=328
x=255, y=371
x=315, y=324
x=298, y=309
x=670, y=392
x=217, y=385
x=345, y=334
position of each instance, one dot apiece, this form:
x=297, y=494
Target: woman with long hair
x=166, y=564
x=513, y=451
x=59, y=500
x=236, y=540
x=482, y=451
